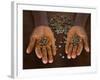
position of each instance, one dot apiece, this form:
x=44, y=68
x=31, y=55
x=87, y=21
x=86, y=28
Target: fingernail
x=78, y=54
x=87, y=49
x=44, y=61
x=27, y=51
x=50, y=61
x=39, y=56
x=73, y=56
x=68, y=57
x=66, y=52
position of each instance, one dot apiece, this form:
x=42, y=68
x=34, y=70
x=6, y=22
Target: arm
x=40, y=18
x=77, y=35
x=81, y=19
x=42, y=39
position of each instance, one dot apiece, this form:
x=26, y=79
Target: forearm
x=40, y=18
x=81, y=19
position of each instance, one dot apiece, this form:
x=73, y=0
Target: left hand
x=74, y=48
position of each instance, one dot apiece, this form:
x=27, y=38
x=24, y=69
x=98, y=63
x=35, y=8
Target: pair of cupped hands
x=48, y=51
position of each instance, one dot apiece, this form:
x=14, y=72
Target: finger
x=50, y=55
x=31, y=45
x=66, y=47
x=74, y=52
x=80, y=48
x=38, y=52
x=44, y=55
x=86, y=46
x=53, y=48
x=67, y=44
x=70, y=51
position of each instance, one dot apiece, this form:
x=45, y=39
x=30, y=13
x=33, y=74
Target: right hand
x=43, y=42
x=71, y=50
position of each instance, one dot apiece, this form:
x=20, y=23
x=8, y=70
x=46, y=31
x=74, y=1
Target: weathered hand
x=43, y=42
x=76, y=40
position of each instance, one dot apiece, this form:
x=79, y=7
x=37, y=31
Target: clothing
x=32, y=19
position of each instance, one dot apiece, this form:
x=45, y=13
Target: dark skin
x=47, y=52
x=74, y=51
